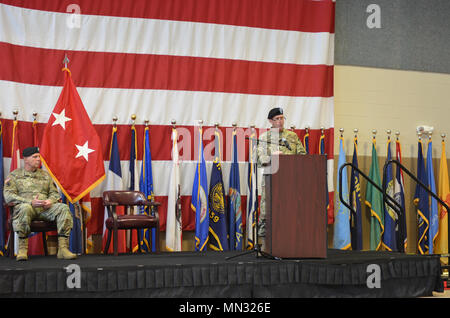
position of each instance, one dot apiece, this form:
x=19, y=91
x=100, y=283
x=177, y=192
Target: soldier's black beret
x=275, y=112
x=30, y=151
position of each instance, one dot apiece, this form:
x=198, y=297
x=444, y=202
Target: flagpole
x=66, y=60
x=146, y=121
x=419, y=136
x=445, y=249
x=255, y=230
x=178, y=212
x=402, y=242
x=15, y=248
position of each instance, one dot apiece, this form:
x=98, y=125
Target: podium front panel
x=296, y=214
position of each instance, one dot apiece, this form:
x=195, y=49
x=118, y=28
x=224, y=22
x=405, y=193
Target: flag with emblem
x=70, y=147
x=355, y=201
x=374, y=201
x=399, y=196
x=234, y=194
x=199, y=198
x=146, y=187
x=434, y=220
x=218, y=240
x=422, y=202
x=390, y=215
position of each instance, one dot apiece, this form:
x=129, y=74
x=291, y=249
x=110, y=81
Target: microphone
x=284, y=142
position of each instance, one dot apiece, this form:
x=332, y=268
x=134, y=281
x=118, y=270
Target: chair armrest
x=148, y=203
x=110, y=204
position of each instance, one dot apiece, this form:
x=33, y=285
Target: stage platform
x=212, y=275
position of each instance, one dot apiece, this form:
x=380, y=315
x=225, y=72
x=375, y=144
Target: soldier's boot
x=22, y=254
x=63, y=249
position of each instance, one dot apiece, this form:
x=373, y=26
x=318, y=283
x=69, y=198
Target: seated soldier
x=35, y=196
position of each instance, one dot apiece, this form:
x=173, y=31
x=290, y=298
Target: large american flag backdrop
x=220, y=61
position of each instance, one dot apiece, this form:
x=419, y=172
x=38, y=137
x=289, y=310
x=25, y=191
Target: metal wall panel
x=412, y=34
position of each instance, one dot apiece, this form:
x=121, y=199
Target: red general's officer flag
x=71, y=148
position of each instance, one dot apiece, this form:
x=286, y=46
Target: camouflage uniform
x=21, y=187
x=264, y=155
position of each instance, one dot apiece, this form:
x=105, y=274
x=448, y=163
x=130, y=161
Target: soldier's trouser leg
x=59, y=213
x=23, y=215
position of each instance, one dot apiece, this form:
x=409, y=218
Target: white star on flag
x=61, y=119
x=84, y=151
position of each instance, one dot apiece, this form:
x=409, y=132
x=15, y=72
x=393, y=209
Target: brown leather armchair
x=114, y=222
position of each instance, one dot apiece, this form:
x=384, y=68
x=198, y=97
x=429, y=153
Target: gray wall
x=413, y=35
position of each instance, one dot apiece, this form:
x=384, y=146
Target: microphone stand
x=279, y=143
x=256, y=246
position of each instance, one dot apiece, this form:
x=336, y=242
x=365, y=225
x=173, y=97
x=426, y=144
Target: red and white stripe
x=221, y=61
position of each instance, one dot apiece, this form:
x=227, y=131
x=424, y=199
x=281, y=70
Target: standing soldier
x=35, y=196
x=275, y=141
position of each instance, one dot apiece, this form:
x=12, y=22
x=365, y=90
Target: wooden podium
x=296, y=216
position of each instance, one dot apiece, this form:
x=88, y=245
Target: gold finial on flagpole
x=173, y=122
x=34, y=116
x=355, y=131
x=397, y=133
x=133, y=119
x=146, y=122
x=443, y=135
x=216, y=125
x=374, y=134
x=15, y=113
x=115, y=121
x=341, y=130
